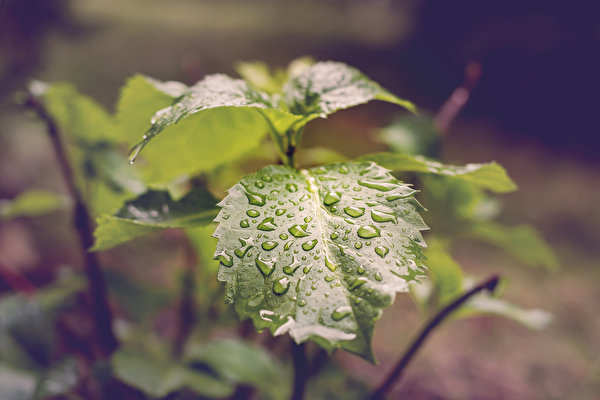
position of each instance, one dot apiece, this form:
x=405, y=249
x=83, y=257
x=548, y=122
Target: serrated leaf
x=522, y=241
x=491, y=176
x=32, y=203
x=211, y=123
x=241, y=362
x=158, y=376
x=326, y=87
x=319, y=253
x=153, y=211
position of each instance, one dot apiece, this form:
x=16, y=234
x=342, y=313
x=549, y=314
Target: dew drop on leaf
x=290, y=269
x=269, y=245
x=380, y=216
x=354, y=212
x=307, y=246
x=266, y=267
x=267, y=224
x=283, y=236
x=281, y=286
x=381, y=251
x=341, y=313
x=224, y=258
x=383, y=186
x=252, y=213
x=332, y=198
x=361, y=280
x=291, y=187
x=299, y=230
x=280, y=211
x=368, y=231
x=244, y=223
x=256, y=199
x=378, y=277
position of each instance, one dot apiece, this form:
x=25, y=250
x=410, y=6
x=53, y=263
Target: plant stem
x=300, y=370
x=83, y=225
x=395, y=375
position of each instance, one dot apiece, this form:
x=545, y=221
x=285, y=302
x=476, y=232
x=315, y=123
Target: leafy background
x=533, y=111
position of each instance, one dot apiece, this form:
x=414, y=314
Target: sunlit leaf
x=319, y=253
x=32, y=203
x=489, y=176
x=153, y=211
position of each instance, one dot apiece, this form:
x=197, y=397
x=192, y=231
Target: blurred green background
x=534, y=110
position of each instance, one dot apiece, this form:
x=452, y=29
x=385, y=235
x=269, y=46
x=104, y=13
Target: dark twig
x=187, y=309
x=459, y=97
x=83, y=225
x=396, y=374
x=300, y=370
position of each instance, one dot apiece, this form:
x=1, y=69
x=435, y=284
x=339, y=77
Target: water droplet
x=256, y=199
x=269, y=245
x=241, y=252
x=309, y=245
x=267, y=178
x=341, y=313
x=224, y=258
x=259, y=184
x=334, y=235
x=279, y=212
x=368, y=231
x=290, y=269
x=343, y=169
x=288, y=245
x=307, y=219
x=305, y=197
x=354, y=212
x=267, y=224
x=291, y=187
x=252, y=213
x=383, y=186
x=281, y=286
x=329, y=278
x=266, y=267
x=265, y=314
x=378, y=276
x=332, y=198
x=307, y=269
x=244, y=223
x=299, y=231
x=302, y=303
x=136, y=150
x=358, y=282
x=360, y=269
x=283, y=236
x=329, y=264
x=380, y=216
x=333, y=209
x=357, y=245
x=382, y=251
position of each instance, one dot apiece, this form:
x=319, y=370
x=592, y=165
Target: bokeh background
x=534, y=110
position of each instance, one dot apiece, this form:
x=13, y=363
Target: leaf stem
x=300, y=370
x=83, y=225
x=395, y=375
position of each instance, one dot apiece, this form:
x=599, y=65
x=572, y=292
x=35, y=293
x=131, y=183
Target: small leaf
x=159, y=376
x=489, y=176
x=522, y=241
x=446, y=275
x=240, y=362
x=153, y=211
x=32, y=203
x=319, y=253
x=327, y=87
x=211, y=123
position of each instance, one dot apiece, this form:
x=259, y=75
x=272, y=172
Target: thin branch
x=458, y=99
x=187, y=309
x=395, y=375
x=300, y=370
x=83, y=225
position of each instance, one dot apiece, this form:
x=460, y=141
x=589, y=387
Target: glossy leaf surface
x=153, y=211
x=491, y=176
x=319, y=253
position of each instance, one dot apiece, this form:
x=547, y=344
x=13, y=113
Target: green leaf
x=446, y=276
x=211, y=123
x=153, y=211
x=489, y=176
x=412, y=134
x=18, y=384
x=522, y=241
x=32, y=203
x=327, y=87
x=241, y=362
x=158, y=376
x=319, y=253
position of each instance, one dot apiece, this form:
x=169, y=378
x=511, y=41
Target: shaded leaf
x=327, y=87
x=412, y=134
x=241, y=362
x=446, y=276
x=153, y=211
x=319, y=253
x=489, y=176
x=18, y=384
x=32, y=203
x=522, y=241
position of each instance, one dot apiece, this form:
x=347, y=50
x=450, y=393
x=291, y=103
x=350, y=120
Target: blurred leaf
x=345, y=218
x=212, y=123
x=522, y=241
x=489, y=176
x=204, y=243
x=158, y=376
x=241, y=362
x=32, y=385
x=261, y=77
x=412, y=135
x=326, y=87
x=334, y=383
x=32, y=203
x=445, y=274
x=153, y=211
x=319, y=156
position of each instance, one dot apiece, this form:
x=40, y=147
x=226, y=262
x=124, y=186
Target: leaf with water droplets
x=326, y=268
x=489, y=176
x=327, y=87
x=153, y=211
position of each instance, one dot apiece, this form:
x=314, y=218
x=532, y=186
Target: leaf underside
x=319, y=253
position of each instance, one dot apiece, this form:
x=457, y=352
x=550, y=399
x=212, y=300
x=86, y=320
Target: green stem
x=396, y=374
